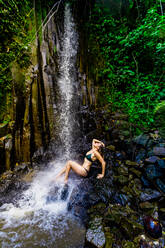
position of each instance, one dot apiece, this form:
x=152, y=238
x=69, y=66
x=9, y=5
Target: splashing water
x=40, y=218
x=39, y=221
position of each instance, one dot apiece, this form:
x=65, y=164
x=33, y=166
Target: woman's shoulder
x=90, y=151
x=95, y=152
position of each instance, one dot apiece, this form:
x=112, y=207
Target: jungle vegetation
x=131, y=48
x=128, y=49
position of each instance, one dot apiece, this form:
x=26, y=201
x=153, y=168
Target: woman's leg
x=76, y=168
x=61, y=172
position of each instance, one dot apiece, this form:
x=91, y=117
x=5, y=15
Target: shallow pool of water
x=36, y=222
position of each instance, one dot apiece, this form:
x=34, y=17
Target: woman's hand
x=99, y=176
x=103, y=144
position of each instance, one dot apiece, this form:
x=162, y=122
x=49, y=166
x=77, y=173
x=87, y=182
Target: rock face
x=33, y=112
x=114, y=208
x=129, y=211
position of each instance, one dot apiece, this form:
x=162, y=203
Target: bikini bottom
x=86, y=170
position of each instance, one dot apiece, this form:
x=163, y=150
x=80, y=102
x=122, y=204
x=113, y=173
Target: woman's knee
x=68, y=164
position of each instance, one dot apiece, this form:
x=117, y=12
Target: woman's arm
x=97, y=141
x=103, y=164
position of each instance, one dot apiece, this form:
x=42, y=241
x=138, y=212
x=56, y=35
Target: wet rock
x=152, y=171
x=121, y=179
x=150, y=194
x=24, y=167
x=53, y=195
x=95, y=234
x=131, y=163
x=65, y=192
x=134, y=189
x=38, y=155
x=150, y=153
x=82, y=197
x=147, y=205
x=140, y=155
x=159, y=151
x=29, y=176
x=152, y=227
x=152, y=160
x=122, y=170
x=142, y=140
x=111, y=148
x=160, y=184
x=121, y=199
x=109, y=237
x=11, y=191
x=98, y=208
x=145, y=181
x=146, y=242
x=135, y=172
x=125, y=218
x=150, y=143
x=6, y=176
x=119, y=156
x=161, y=163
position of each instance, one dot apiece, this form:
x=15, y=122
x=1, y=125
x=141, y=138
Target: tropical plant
x=133, y=70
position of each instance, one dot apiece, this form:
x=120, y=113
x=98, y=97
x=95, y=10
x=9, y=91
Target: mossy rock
x=4, y=127
x=126, y=218
x=109, y=237
x=121, y=179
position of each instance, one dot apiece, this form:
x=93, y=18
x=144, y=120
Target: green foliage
x=16, y=33
x=134, y=60
x=159, y=107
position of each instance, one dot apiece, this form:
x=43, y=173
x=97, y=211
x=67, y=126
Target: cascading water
x=67, y=84
x=40, y=218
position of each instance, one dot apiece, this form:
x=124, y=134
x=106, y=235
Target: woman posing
x=90, y=157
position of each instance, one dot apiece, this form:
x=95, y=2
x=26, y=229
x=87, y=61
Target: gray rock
x=150, y=194
x=142, y=140
x=152, y=159
x=161, y=163
x=159, y=151
x=140, y=155
x=95, y=234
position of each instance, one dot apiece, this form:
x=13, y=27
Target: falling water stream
x=36, y=220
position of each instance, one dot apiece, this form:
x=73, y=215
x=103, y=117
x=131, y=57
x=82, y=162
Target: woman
x=90, y=157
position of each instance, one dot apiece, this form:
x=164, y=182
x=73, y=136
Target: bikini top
x=89, y=157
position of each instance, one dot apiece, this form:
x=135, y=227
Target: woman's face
x=97, y=146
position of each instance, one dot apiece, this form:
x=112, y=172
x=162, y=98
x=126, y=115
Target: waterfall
x=67, y=83
x=40, y=218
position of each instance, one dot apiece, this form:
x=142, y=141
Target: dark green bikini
x=89, y=157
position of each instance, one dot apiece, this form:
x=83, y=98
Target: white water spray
x=38, y=220
x=67, y=82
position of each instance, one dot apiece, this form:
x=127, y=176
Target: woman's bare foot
x=66, y=181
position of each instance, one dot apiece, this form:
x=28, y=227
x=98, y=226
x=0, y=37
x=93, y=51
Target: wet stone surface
x=95, y=234
x=131, y=189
